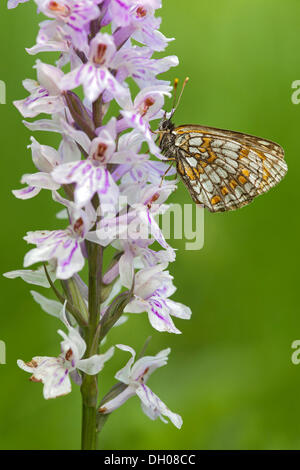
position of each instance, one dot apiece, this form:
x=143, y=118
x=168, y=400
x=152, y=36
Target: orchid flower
x=45, y=159
x=95, y=75
x=136, y=19
x=55, y=372
x=152, y=289
x=53, y=38
x=135, y=375
x=45, y=96
x=64, y=246
x=91, y=175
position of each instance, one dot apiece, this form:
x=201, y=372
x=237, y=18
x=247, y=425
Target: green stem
x=95, y=279
x=88, y=437
x=89, y=387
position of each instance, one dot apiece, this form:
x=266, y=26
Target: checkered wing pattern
x=225, y=170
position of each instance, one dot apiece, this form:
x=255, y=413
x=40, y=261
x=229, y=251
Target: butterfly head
x=166, y=125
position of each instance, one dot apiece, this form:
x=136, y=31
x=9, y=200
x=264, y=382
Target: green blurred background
x=230, y=374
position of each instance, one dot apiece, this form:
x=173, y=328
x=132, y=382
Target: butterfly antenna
x=176, y=103
x=175, y=87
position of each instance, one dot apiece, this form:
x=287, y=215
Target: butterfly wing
x=224, y=170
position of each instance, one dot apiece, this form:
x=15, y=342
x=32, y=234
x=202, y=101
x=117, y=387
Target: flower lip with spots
x=95, y=75
x=91, y=176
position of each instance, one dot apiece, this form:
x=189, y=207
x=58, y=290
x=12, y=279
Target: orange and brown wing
x=225, y=170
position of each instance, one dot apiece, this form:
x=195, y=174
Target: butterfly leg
x=167, y=170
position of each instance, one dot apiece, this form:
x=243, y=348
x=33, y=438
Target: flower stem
x=95, y=279
x=88, y=436
x=89, y=387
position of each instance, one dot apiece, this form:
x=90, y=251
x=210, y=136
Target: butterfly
x=223, y=170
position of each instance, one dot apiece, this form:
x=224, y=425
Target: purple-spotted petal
x=154, y=408
x=159, y=315
x=26, y=193
x=51, y=372
x=76, y=16
x=40, y=180
x=61, y=245
x=15, y=3
x=52, y=37
x=43, y=103
x=95, y=79
x=89, y=179
x=119, y=12
x=136, y=121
